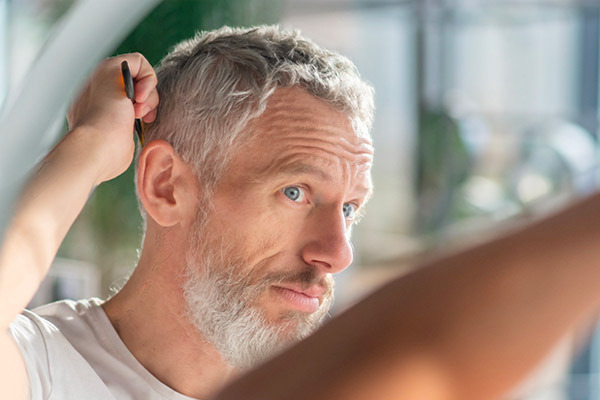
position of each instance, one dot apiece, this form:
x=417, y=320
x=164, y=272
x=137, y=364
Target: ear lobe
x=158, y=178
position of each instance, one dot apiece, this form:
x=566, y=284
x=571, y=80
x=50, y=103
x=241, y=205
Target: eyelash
x=357, y=210
x=303, y=192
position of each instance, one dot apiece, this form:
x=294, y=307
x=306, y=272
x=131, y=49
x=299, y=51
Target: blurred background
x=487, y=114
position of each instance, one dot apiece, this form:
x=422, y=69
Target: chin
x=296, y=325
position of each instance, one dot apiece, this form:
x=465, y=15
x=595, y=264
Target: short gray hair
x=212, y=85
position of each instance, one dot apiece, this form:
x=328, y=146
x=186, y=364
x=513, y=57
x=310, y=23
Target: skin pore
x=281, y=214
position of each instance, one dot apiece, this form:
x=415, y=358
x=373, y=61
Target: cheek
x=271, y=245
x=259, y=231
x=264, y=243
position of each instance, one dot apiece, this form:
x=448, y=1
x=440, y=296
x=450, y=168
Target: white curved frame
x=31, y=120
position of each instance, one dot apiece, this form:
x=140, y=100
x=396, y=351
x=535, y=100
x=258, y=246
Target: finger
x=140, y=67
x=144, y=88
x=141, y=71
x=143, y=74
x=150, y=117
x=144, y=108
x=151, y=101
x=139, y=110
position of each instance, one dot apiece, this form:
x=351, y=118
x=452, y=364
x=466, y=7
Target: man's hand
x=105, y=116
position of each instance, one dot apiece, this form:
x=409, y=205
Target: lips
x=313, y=291
x=305, y=300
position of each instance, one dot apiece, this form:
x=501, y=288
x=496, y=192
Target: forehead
x=299, y=133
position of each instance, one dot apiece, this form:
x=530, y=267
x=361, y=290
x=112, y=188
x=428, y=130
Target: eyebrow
x=299, y=169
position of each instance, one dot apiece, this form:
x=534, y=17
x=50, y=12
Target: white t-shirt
x=72, y=352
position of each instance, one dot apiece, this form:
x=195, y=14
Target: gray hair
x=212, y=85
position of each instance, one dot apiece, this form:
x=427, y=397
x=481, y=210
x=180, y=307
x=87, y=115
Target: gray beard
x=220, y=303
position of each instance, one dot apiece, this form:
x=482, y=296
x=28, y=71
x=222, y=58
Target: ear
x=166, y=184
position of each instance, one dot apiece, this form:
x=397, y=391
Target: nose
x=327, y=244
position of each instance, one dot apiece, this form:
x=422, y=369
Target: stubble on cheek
x=250, y=266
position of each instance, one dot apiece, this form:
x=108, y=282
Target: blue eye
x=294, y=193
x=348, y=210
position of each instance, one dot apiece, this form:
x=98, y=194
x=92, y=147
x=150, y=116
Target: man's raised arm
x=465, y=327
x=98, y=147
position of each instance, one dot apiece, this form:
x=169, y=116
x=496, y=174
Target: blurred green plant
x=443, y=164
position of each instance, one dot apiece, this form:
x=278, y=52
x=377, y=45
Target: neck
x=148, y=314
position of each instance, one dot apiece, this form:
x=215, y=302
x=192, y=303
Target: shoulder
x=64, y=320
x=48, y=320
x=35, y=330
x=44, y=337
x=31, y=332
x=29, y=329
x=44, y=320
x=66, y=308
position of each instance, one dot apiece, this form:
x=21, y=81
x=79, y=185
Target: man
x=249, y=184
x=256, y=164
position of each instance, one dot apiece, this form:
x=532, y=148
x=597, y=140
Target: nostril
x=332, y=256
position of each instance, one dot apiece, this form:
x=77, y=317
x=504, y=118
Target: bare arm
x=98, y=147
x=468, y=326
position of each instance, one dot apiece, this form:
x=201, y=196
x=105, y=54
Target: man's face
x=260, y=265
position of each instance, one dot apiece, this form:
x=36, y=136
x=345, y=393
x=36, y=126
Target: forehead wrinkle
x=294, y=164
x=298, y=109
x=297, y=128
x=302, y=168
x=329, y=156
x=333, y=144
x=324, y=143
x=334, y=149
x=291, y=120
x=307, y=125
x=288, y=119
x=287, y=112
